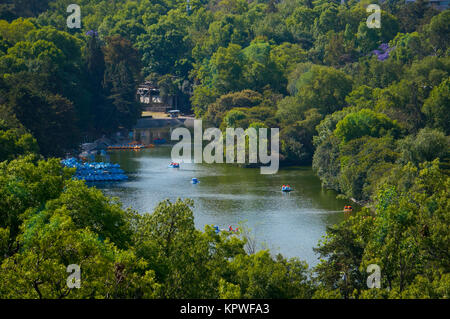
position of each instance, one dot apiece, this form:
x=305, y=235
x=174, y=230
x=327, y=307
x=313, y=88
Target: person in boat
x=231, y=230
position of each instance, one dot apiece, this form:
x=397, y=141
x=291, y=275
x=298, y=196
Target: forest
x=368, y=108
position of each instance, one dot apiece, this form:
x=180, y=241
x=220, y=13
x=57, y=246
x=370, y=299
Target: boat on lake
x=174, y=165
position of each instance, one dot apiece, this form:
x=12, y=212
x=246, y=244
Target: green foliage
x=328, y=125
x=296, y=140
x=375, y=73
x=89, y=208
x=227, y=68
x=341, y=252
x=13, y=143
x=323, y=88
x=326, y=162
x=401, y=102
x=217, y=110
x=438, y=31
x=45, y=88
x=414, y=15
x=187, y=262
x=365, y=162
x=407, y=237
x=202, y=97
x=426, y=146
x=12, y=9
x=164, y=45
x=39, y=269
x=436, y=107
x=407, y=47
x=233, y=118
x=411, y=229
x=49, y=117
x=260, y=69
x=261, y=276
x=429, y=72
x=287, y=55
x=27, y=183
x=122, y=74
x=289, y=110
x=306, y=67
x=16, y=30
x=365, y=123
x=221, y=48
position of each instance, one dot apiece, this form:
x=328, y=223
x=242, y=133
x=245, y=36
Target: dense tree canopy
x=368, y=107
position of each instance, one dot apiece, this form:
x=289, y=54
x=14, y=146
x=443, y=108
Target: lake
x=286, y=223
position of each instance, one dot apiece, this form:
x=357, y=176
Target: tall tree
x=122, y=75
x=95, y=67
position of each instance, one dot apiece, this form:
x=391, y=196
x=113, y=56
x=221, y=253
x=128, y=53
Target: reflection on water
x=287, y=223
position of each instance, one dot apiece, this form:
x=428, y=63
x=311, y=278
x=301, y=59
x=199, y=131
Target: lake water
x=291, y=224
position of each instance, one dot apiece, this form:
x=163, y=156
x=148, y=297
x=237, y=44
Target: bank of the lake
x=291, y=224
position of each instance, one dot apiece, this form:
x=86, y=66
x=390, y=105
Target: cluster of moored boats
x=95, y=171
